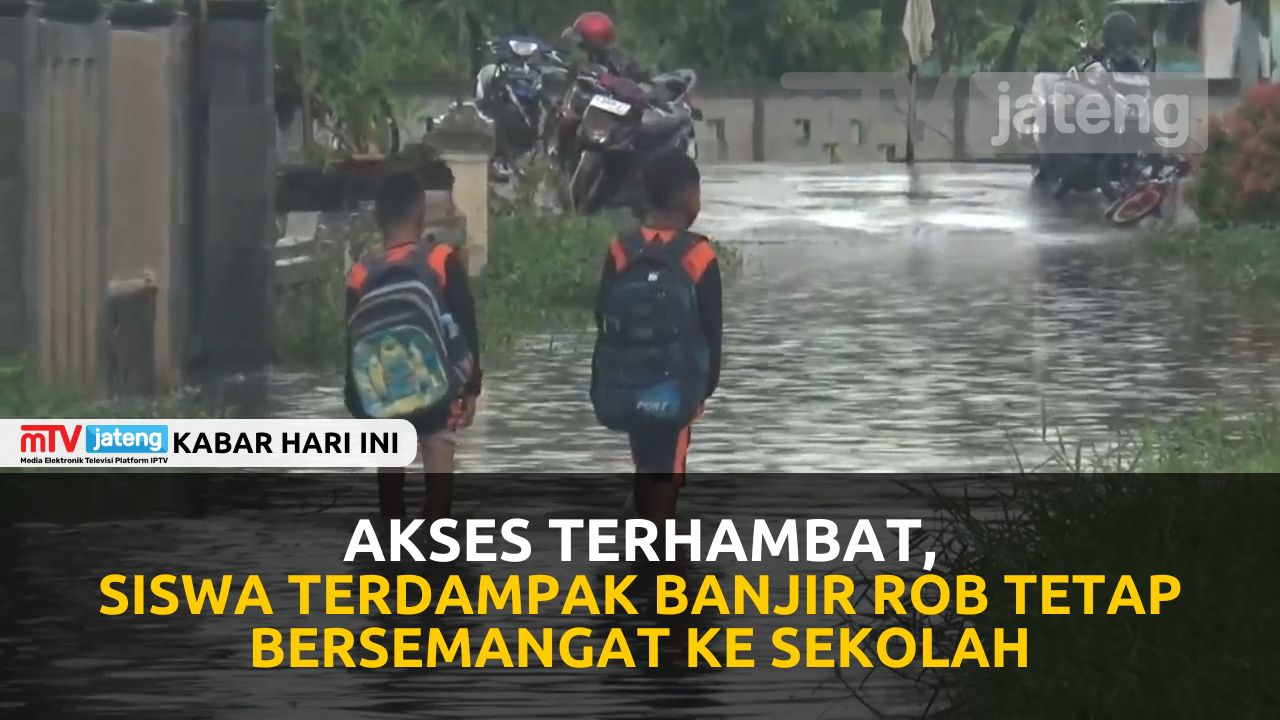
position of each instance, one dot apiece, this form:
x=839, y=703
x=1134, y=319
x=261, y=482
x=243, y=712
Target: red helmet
x=595, y=29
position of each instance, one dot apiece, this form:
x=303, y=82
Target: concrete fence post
x=465, y=141
x=17, y=54
x=234, y=159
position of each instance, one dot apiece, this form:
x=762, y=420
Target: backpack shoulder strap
x=436, y=260
x=681, y=244
x=369, y=265
x=632, y=244
x=697, y=255
x=690, y=251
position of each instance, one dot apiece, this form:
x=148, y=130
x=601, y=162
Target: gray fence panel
x=147, y=232
x=65, y=268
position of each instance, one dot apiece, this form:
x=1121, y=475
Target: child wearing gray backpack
x=413, y=344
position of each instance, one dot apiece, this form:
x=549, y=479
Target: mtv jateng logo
x=224, y=443
x=52, y=438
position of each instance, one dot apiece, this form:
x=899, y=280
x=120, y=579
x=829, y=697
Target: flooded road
x=885, y=323
x=880, y=323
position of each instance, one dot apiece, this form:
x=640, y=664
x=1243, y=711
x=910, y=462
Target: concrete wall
x=122, y=131
x=762, y=122
x=755, y=122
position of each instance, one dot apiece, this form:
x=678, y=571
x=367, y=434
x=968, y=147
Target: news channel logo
x=114, y=439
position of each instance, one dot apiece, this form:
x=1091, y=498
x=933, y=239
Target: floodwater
x=885, y=323
x=880, y=322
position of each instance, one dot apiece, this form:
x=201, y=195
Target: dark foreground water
x=881, y=323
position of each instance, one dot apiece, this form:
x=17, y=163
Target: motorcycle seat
x=657, y=125
x=675, y=83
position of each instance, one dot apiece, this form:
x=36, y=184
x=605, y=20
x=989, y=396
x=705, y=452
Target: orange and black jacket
x=458, y=302
x=703, y=268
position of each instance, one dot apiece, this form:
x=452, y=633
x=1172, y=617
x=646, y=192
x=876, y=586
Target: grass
x=542, y=274
x=1245, y=258
x=20, y=398
x=1209, y=653
x=1215, y=443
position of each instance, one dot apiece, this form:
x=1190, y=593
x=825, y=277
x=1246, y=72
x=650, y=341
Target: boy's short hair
x=667, y=176
x=397, y=197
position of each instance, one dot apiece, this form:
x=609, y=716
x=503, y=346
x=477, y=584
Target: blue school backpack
x=407, y=355
x=651, y=361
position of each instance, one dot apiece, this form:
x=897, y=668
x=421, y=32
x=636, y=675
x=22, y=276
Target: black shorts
x=663, y=455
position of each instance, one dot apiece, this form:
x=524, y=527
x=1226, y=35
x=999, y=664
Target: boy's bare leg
x=655, y=499
x=391, y=492
x=437, y=464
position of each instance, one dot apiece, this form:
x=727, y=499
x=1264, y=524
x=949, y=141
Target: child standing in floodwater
x=414, y=344
x=659, y=333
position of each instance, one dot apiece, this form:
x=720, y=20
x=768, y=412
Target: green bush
x=543, y=272
x=1238, y=177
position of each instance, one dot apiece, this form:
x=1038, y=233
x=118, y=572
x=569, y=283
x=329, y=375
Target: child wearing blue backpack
x=659, y=329
x=413, y=344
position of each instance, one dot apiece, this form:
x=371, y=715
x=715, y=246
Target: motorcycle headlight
x=598, y=135
x=522, y=48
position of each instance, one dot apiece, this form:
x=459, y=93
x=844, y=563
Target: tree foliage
x=354, y=48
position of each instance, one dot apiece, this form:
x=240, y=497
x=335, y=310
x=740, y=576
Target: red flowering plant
x=1238, y=177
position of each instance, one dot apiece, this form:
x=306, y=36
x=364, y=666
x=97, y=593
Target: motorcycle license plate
x=1131, y=79
x=609, y=105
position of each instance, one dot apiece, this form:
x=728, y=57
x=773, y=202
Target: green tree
x=352, y=50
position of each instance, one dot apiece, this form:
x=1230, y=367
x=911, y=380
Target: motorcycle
x=621, y=124
x=1146, y=197
x=513, y=93
x=1063, y=163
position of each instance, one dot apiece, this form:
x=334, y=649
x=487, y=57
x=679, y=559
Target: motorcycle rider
x=593, y=33
x=1121, y=39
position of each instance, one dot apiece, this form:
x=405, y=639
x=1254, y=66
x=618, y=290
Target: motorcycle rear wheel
x=1142, y=203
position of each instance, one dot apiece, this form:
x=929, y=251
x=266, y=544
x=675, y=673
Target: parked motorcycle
x=519, y=94
x=1071, y=161
x=612, y=124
